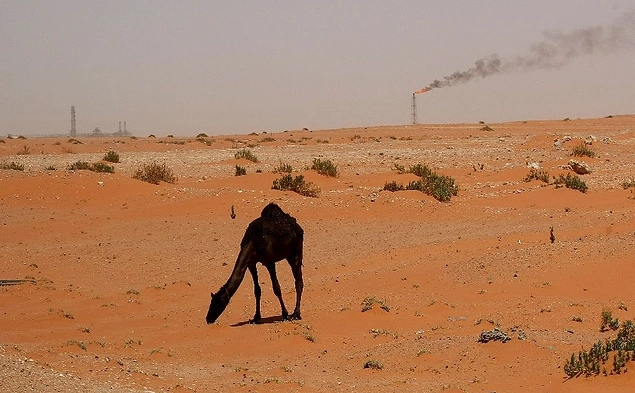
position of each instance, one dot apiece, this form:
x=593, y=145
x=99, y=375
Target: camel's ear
x=211, y=294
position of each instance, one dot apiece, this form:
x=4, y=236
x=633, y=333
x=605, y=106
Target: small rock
x=579, y=167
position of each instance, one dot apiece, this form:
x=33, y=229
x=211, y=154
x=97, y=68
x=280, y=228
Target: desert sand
x=121, y=270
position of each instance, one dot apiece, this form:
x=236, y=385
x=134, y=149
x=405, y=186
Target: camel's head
x=219, y=301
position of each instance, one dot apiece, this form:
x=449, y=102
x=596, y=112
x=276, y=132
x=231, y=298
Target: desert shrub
x=21, y=137
x=582, y=150
x=283, y=168
x=201, y=135
x=537, y=174
x=2, y=140
x=155, y=173
x=79, y=165
x=440, y=187
x=240, y=171
x=50, y=168
x=571, y=181
x=101, y=167
x=24, y=151
x=608, y=321
x=373, y=364
x=96, y=167
x=370, y=301
x=15, y=166
x=487, y=128
x=297, y=184
x=268, y=139
x=247, y=154
x=394, y=186
x=111, y=156
x=325, y=168
x=75, y=141
x=170, y=136
x=152, y=136
x=399, y=168
x=590, y=362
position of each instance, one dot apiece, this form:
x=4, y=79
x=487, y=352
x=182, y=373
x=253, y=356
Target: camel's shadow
x=262, y=321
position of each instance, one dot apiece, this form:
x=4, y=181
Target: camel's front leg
x=257, y=292
x=271, y=267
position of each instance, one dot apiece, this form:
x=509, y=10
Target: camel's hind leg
x=271, y=267
x=257, y=292
x=296, y=267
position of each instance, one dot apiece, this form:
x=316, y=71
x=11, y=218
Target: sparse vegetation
x=487, y=128
x=283, y=168
x=24, y=151
x=440, y=187
x=155, y=173
x=297, y=184
x=75, y=141
x=201, y=135
x=571, y=181
x=370, y=301
x=325, y=168
x=582, y=150
x=15, y=166
x=268, y=139
x=373, y=364
x=111, y=156
x=2, y=140
x=608, y=321
x=240, y=171
x=96, y=167
x=247, y=154
x=537, y=174
x=591, y=362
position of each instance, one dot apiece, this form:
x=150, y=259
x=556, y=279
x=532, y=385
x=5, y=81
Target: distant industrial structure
x=414, y=109
x=97, y=131
x=73, y=123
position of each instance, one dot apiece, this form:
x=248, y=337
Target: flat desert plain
x=398, y=287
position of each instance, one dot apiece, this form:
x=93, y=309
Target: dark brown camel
x=274, y=236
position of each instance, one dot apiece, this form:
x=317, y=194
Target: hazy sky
x=226, y=67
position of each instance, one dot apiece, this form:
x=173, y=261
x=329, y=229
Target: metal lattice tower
x=73, y=124
x=414, y=109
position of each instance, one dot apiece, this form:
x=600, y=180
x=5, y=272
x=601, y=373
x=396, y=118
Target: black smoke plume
x=556, y=50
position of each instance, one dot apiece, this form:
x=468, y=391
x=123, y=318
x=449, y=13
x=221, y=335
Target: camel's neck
x=240, y=268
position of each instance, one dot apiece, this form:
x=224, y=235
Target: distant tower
x=414, y=109
x=125, y=131
x=119, y=128
x=73, y=124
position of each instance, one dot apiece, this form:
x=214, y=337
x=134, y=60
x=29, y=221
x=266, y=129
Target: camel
x=273, y=236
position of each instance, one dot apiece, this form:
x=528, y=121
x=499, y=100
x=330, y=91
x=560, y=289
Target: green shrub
x=440, y=187
x=297, y=184
x=589, y=362
x=247, y=154
x=15, y=166
x=537, y=174
x=240, y=171
x=96, y=167
x=79, y=165
x=283, y=168
x=583, y=150
x=111, y=156
x=155, y=173
x=608, y=321
x=393, y=186
x=571, y=181
x=325, y=168
x=101, y=167
x=370, y=301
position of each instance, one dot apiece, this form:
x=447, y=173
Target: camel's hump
x=272, y=210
